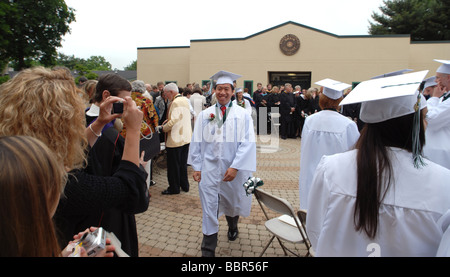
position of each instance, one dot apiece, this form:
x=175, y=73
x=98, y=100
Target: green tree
x=5, y=31
x=68, y=61
x=424, y=20
x=93, y=63
x=32, y=30
x=131, y=66
x=98, y=63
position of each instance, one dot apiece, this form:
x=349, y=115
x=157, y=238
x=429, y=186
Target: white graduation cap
x=390, y=74
x=224, y=77
x=430, y=82
x=239, y=90
x=445, y=67
x=387, y=98
x=333, y=89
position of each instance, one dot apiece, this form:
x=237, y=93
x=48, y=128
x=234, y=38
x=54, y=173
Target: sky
x=115, y=29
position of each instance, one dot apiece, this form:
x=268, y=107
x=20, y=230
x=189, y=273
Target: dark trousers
x=177, y=168
x=287, y=128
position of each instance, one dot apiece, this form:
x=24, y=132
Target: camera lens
x=87, y=239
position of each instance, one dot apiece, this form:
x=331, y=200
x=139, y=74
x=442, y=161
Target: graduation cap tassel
x=416, y=148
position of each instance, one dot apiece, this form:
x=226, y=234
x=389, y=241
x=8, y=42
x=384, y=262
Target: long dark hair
x=374, y=167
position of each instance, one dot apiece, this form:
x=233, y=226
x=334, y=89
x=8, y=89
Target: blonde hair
x=46, y=104
x=89, y=90
x=31, y=182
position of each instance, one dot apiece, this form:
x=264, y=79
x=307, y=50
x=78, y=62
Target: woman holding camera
x=45, y=104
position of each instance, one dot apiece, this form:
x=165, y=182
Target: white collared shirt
x=94, y=110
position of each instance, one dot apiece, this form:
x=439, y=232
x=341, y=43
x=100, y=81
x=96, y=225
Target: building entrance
x=294, y=78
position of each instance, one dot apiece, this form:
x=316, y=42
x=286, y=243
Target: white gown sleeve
x=444, y=246
x=245, y=158
x=195, y=158
x=352, y=135
x=438, y=114
x=317, y=203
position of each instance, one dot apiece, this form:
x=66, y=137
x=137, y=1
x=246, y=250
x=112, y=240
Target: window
x=249, y=85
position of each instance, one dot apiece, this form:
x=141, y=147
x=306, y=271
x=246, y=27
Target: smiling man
x=223, y=156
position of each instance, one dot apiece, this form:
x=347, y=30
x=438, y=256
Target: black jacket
x=107, y=193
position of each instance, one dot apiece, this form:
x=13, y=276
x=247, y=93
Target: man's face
x=443, y=80
x=165, y=95
x=123, y=93
x=259, y=86
x=224, y=92
x=161, y=87
x=429, y=90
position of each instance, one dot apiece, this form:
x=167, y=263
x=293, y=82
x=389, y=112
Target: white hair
x=138, y=86
x=171, y=87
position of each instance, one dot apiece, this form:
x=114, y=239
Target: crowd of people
x=84, y=166
x=292, y=106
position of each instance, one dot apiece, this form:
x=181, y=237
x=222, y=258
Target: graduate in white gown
x=437, y=135
x=403, y=211
x=324, y=133
x=223, y=157
x=241, y=101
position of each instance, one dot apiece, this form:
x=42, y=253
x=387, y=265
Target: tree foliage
x=131, y=66
x=82, y=65
x=424, y=20
x=32, y=30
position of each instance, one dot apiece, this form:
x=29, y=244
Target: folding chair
x=286, y=227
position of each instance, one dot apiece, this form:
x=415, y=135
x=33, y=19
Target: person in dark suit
x=302, y=109
x=287, y=109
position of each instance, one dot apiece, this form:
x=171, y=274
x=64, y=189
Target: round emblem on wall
x=289, y=44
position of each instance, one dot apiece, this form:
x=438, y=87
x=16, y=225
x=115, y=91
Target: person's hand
x=230, y=174
x=71, y=248
x=159, y=128
x=105, y=116
x=197, y=176
x=132, y=116
x=107, y=252
x=438, y=91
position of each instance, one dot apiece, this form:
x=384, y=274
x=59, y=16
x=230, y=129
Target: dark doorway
x=294, y=78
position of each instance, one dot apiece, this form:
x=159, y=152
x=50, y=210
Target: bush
x=4, y=79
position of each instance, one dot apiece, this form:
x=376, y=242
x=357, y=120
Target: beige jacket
x=178, y=126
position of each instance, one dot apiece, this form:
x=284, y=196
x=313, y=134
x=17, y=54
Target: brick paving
x=172, y=225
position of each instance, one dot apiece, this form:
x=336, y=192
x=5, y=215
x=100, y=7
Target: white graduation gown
x=212, y=151
x=412, y=219
x=324, y=133
x=248, y=106
x=437, y=147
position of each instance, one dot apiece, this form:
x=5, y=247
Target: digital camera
x=94, y=242
x=118, y=107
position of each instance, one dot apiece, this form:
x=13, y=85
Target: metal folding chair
x=287, y=227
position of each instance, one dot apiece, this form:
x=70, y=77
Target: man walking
x=223, y=156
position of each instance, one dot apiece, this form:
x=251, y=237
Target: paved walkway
x=171, y=227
